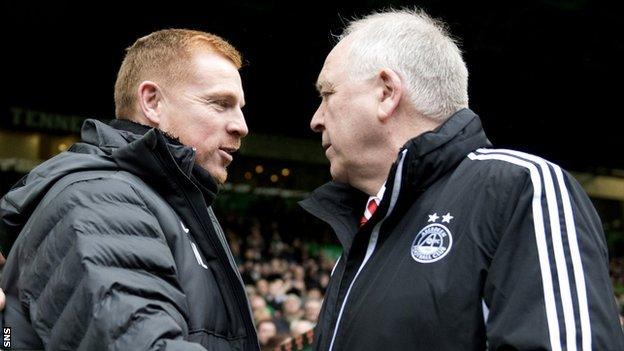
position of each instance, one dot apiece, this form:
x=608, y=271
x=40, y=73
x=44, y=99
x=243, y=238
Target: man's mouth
x=227, y=152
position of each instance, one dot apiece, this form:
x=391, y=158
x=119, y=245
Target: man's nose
x=238, y=125
x=316, y=124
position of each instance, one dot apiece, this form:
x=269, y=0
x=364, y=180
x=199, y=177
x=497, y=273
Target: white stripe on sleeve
x=557, y=240
x=540, y=237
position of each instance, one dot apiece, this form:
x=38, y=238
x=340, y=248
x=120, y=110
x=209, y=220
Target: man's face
x=345, y=116
x=291, y=306
x=204, y=112
x=312, y=310
x=266, y=331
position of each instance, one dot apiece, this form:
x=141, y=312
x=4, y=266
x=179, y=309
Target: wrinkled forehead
x=335, y=65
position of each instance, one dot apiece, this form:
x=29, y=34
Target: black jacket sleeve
x=102, y=277
x=548, y=285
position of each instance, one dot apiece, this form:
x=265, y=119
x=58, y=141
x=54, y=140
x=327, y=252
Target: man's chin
x=219, y=174
x=221, y=180
x=337, y=175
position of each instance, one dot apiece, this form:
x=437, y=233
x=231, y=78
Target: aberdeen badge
x=432, y=243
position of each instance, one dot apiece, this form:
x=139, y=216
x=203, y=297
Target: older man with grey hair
x=448, y=244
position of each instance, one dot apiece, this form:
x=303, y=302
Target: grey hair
x=420, y=50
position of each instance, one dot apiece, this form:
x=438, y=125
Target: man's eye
x=325, y=94
x=222, y=103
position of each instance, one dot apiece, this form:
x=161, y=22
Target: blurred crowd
x=285, y=275
x=616, y=270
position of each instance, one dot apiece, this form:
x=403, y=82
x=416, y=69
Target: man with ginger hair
x=113, y=244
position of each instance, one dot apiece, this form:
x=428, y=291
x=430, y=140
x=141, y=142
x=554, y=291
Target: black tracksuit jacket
x=470, y=248
x=118, y=249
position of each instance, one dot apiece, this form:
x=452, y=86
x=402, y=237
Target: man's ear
x=151, y=102
x=391, y=93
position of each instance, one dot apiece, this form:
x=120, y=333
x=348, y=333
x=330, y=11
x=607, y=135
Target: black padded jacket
x=116, y=248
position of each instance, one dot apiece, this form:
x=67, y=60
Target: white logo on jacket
x=184, y=227
x=434, y=241
x=194, y=248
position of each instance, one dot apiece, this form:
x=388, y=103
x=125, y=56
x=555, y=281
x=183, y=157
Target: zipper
x=372, y=243
x=224, y=244
x=224, y=261
x=229, y=255
x=229, y=272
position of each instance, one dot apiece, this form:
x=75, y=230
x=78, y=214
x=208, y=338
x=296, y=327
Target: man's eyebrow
x=225, y=95
x=323, y=85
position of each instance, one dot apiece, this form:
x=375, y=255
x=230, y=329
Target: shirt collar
x=379, y=195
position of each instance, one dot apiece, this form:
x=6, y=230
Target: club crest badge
x=433, y=242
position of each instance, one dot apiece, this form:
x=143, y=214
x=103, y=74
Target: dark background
x=545, y=76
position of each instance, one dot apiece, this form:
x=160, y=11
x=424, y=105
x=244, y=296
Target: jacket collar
x=160, y=161
x=146, y=152
x=433, y=154
x=428, y=157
